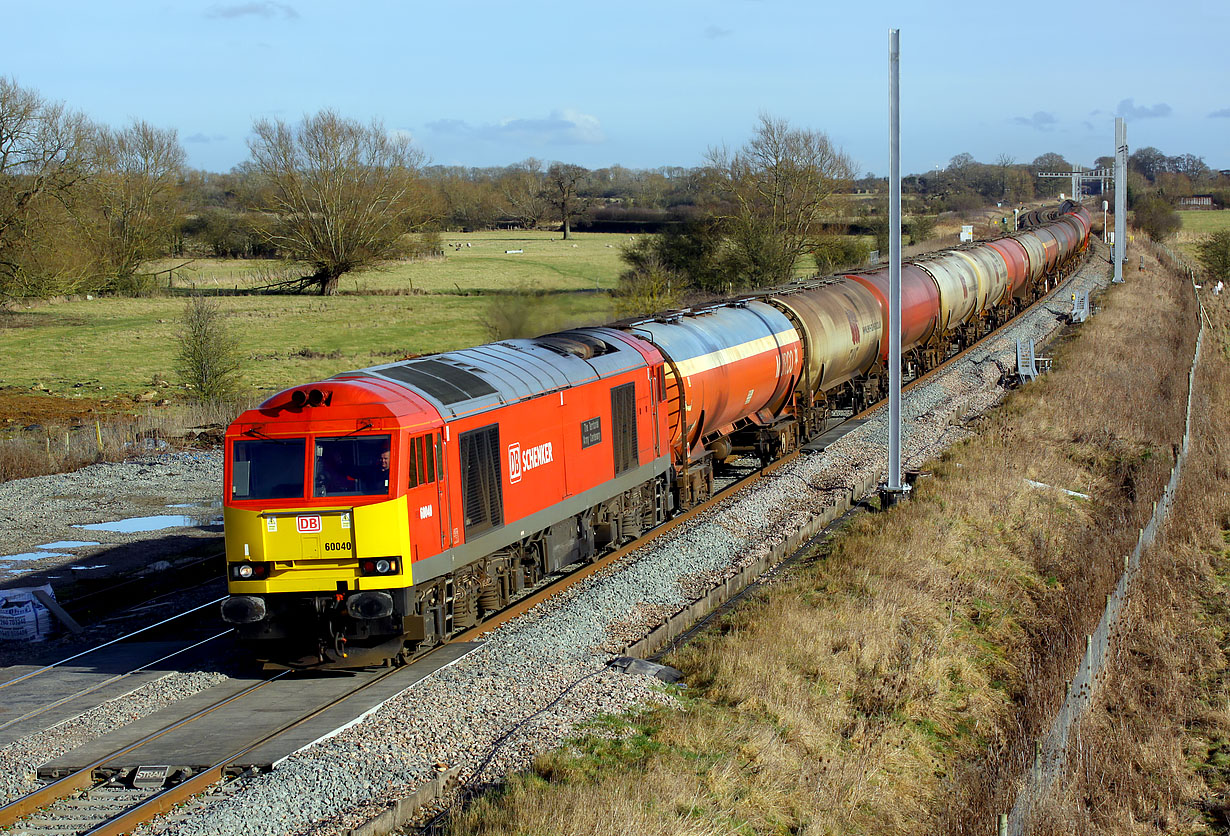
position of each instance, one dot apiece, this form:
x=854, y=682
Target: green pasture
x=474, y=262
x=1204, y=222
x=105, y=347
x=1198, y=224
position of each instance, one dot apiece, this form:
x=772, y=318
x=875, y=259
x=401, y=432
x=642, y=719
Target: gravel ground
x=536, y=678
x=44, y=510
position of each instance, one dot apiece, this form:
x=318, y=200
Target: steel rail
x=110, y=680
x=84, y=777
x=46, y=668
x=178, y=794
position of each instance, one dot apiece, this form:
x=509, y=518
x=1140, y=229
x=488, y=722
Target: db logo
x=520, y=460
x=514, y=462
x=308, y=525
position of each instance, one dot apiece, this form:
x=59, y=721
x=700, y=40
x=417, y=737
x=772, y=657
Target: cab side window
x=426, y=462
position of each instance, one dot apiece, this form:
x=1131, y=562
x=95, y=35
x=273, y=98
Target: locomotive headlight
x=379, y=566
x=249, y=571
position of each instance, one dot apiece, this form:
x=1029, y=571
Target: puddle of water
x=208, y=504
x=21, y=558
x=67, y=544
x=134, y=525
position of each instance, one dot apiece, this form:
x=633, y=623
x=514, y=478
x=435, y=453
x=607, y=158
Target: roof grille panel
x=444, y=382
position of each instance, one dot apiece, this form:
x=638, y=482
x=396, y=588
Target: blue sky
x=644, y=84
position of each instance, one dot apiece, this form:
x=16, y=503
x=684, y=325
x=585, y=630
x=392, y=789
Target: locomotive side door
x=424, y=494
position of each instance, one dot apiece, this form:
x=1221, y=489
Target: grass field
x=105, y=347
x=1202, y=223
x=1198, y=224
x=473, y=262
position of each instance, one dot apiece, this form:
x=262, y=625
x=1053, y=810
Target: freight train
x=383, y=509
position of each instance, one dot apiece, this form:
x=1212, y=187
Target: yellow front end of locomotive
x=318, y=549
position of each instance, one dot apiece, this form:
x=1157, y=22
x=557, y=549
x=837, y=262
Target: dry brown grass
x=1155, y=748
x=895, y=683
x=61, y=448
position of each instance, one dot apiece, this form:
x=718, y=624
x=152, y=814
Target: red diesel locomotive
x=386, y=508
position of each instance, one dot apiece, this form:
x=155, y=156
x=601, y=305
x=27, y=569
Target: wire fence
x=1050, y=753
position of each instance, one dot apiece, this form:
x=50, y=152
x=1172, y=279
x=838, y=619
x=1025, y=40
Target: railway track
x=109, y=787
x=34, y=698
x=106, y=779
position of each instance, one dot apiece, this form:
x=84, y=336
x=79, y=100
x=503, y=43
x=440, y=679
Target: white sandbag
x=23, y=618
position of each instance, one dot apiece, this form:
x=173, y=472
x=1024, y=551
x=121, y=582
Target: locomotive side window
x=271, y=469
x=482, y=490
x=425, y=461
x=352, y=466
x=439, y=458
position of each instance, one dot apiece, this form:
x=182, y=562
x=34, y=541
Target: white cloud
x=1128, y=110
x=265, y=8
x=562, y=127
x=1041, y=120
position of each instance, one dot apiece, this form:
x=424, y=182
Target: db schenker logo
x=520, y=461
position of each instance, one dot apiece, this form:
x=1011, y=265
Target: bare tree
x=1005, y=163
x=961, y=162
x=562, y=182
x=777, y=191
x=525, y=192
x=1190, y=165
x=43, y=151
x=127, y=206
x=1148, y=161
x=343, y=192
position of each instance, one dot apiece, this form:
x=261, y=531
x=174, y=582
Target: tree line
x=86, y=207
